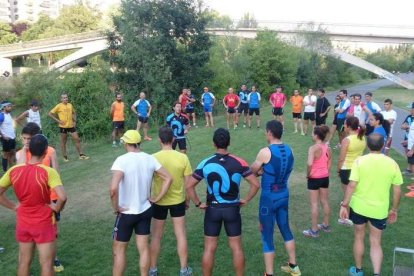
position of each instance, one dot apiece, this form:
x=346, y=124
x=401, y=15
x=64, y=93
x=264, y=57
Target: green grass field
x=85, y=230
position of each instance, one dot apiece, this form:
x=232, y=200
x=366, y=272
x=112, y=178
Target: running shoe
x=244, y=126
x=410, y=194
x=153, y=272
x=1, y=249
x=406, y=172
x=310, y=233
x=303, y=134
x=83, y=157
x=114, y=145
x=353, y=272
x=324, y=228
x=345, y=222
x=293, y=271
x=295, y=131
x=187, y=272
x=57, y=265
x=65, y=159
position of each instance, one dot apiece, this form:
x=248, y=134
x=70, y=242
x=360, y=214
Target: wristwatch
x=344, y=205
x=198, y=204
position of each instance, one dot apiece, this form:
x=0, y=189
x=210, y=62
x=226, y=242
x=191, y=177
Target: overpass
x=92, y=43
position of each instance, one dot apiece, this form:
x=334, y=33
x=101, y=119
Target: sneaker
x=187, y=272
x=324, y=228
x=293, y=271
x=153, y=272
x=345, y=222
x=310, y=233
x=406, y=172
x=83, y=157
x=207, y=125
x=65, y=159
x=114, y=145
x=244, y=126
x=410, y=194
x=353, y=272
x=57, y=265
x=303, y=134
x=1, y=249
x=235, y=126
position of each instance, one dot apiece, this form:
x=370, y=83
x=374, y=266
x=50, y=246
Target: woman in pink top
x=319, y=163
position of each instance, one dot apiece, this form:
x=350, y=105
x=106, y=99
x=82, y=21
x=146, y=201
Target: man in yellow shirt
x=368, y=196
x=64, y=114
x=118, y=118
x=179, y=167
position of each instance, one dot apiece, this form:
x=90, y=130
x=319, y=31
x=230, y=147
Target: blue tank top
x=277, y=171
x=142, y=107
x=343, y=114
x=254, y=100
x=207, y=98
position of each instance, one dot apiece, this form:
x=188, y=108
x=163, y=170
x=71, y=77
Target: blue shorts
x=273, y=209
x=208, y=108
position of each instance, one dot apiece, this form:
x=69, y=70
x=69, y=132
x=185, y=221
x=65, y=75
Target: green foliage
x=38, y=28
x=6, y=34
x=216, y=20
x=164, y=47
x=247, y=21
x=399, y=58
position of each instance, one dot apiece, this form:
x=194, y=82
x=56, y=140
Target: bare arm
x=61, y=201
x=134, y=109
x=254, y=187
x=114, y=189
x=343, y=212
x=190, y=184
x=396, y=196
x=149, y=110
x=262, y=157
x=166, y=182
x=4, y=201
x=329, y=159
x=311, y=157
x=111, y=112
x=342, y=154
x=54, y=162
x=21, y=117
x=53, y=116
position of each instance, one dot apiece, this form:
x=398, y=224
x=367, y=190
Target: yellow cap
x=131, y=137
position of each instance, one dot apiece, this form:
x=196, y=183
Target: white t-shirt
x=6, y=125
x=359, y=113
x=34, y=117
x=135, y=187
x=307, y=101
x=410, y=142
x=390, y=115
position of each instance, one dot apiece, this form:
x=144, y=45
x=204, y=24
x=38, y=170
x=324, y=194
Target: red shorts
x=42, y=234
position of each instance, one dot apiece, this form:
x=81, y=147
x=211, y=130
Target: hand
x=343, y=213
x=410, y=153
x=16, y=207
x=60, y=122
x=321, y=115
x=203, y=206
x=120, y=210
x=153, y=199
x=259, y=172
x=74, y=123
x=185, y=131
x=243, y=202
x=187, y=204
x=404, y=126
x=53, y=206
x=392, y=216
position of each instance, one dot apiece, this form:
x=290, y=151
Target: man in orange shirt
x=35, y=222
x=297, y=103
x=118, y=118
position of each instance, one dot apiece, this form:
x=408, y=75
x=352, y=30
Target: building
x=27, y=10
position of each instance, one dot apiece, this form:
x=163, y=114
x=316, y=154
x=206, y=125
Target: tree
x=162, y=47
x=38, y=28
x=19, y=27
x=247, y=21
x=6, y=34
x=216, y=20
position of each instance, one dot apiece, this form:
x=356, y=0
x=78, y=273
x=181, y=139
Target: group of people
x=144, y=188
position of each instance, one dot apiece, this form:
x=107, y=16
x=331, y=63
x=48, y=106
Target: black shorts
x=143, y=120
x=189, y=110
x=335, y=120
x=161, y=211
x=410, y=160
x=118, y=124
x=254, y=110
x=125, y=224
x=356, y=218
x=66, y=130
x=8, y=145
x=340, y=124
x=243, y=108
x=231, y=110
x=182, y=144
x=216, y=216
x=317, y=183
x=320, y=120
x=277, y=111
x=309, y=116
x=57, y=214
x=297, y=115
x=344, y=176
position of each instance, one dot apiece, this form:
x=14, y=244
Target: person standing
x=118, y=118
x=130, y=191
x=178, y=122
x=319, y=164
x=322, y=108
x=244, y=104
x=367, y=199
x=359, y=109
x=8, y=135
x=406, y=126
x=65, y=115
x=297, y=103
x=373, y=107
x=32, y=115
x=189, y=108
x=174, y=201
x=142, y=108
x=183, y=99
x=207, y=101
x=391, y=116
x=35, y=222
x=231, y=102
x=253, y=100
x=309, y=101
x=275, y=163
x=278, y=101
x=342, y=111
x=222, y=205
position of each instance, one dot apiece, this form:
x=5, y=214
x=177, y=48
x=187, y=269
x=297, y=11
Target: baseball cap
x=3, y=104
x=131, y=137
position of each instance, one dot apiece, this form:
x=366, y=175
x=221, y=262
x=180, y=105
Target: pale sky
x=395, y=12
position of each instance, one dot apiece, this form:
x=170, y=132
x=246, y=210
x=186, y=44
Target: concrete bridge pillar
x=6, y=67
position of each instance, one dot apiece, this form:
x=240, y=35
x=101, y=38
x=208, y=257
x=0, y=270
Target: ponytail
x=361, y=132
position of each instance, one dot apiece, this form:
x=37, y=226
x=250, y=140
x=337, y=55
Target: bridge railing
x=53, y=40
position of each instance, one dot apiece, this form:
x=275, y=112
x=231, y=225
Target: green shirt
x=374, y=174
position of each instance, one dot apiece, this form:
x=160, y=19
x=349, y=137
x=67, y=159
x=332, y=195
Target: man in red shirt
x=278, y=101
x=35, y=223
x=231, y=102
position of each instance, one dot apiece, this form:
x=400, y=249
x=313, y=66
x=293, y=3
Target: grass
x=87, y=221
x=400, y=96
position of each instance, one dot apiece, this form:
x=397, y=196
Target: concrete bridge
x=92, y=43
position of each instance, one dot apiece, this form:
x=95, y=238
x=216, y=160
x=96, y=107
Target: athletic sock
x=376, y=274
x=359, y=269
x=292, y=265
x=4, y=164
x=268, y=274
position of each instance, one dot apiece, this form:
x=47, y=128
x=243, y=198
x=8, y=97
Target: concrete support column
x=6, y=67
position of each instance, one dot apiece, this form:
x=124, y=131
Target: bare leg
x=258, y=120
x=301, y=126
x=305, y=127
x=375, y=250
x=290, y=249
x=207, y=118
x=144, y=254
x=238, y=256
x=180, y=235
x=227, y=120
x=47, y=252
x=324, y=195
x=314, y=204
x=156, y=236
x=210, y=114
x=295, y=124
x=210, y=246
x=119, y=257
x=25, y=258
x=268, y=259
x=76, y=140
x=138, y=125
x=146, y=137
x=63, y=140
x=359, y=233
